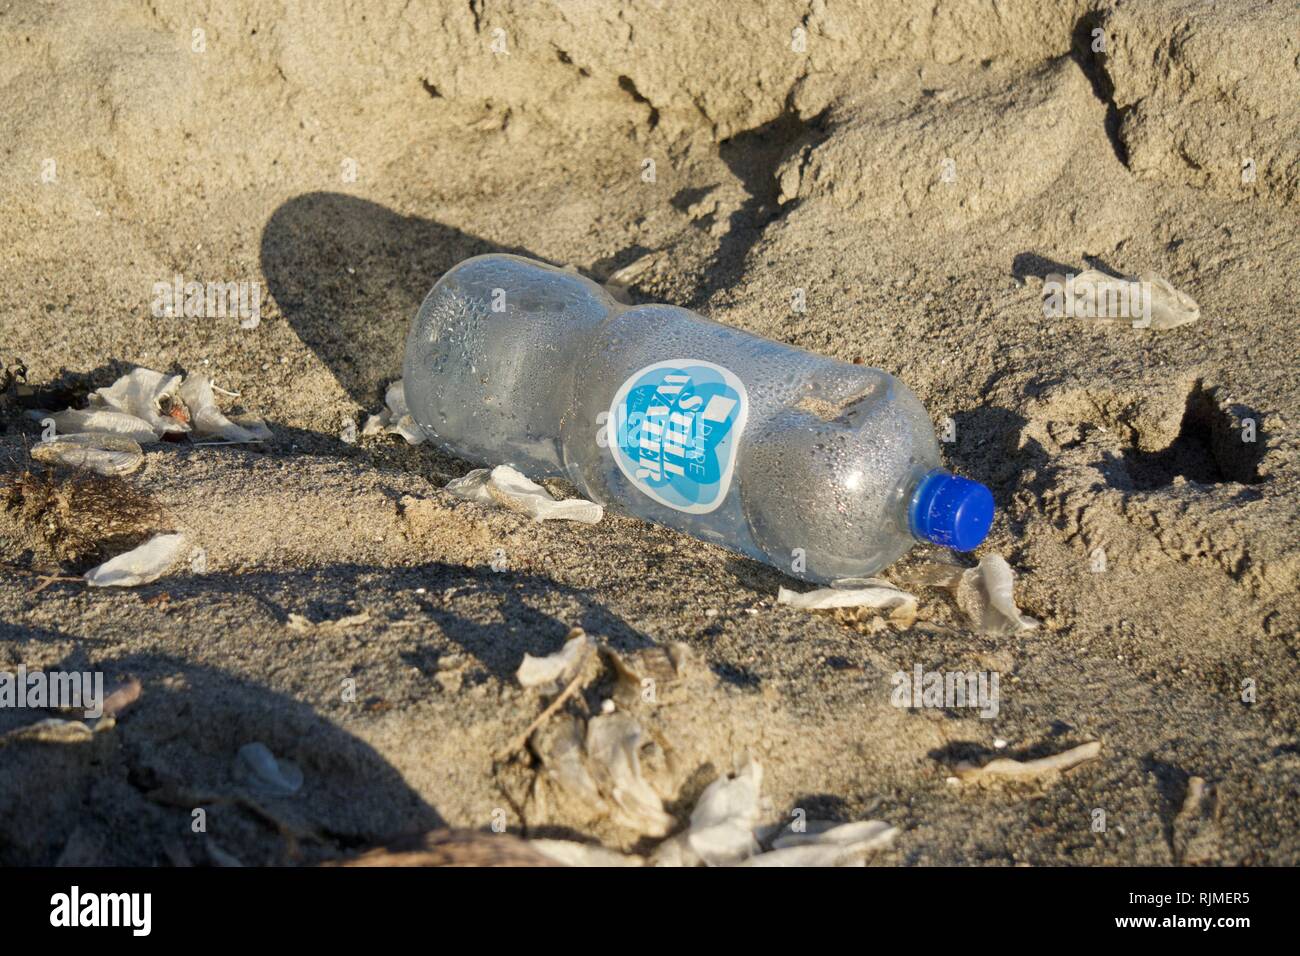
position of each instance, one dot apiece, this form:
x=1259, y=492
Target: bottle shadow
x=348, y=275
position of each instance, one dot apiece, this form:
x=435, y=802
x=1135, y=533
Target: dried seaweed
x=78, y=519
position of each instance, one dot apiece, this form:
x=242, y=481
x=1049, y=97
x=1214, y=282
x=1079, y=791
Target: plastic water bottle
x=823, y=469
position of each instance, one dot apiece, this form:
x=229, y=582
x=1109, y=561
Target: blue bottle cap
x=951, y=511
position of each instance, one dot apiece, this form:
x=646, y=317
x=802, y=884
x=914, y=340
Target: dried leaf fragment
x=570, y=853
x=1026, y=769
x=1147, y=301
x=100, y=452
x=873, y=593
x=147, y=395
x=396, y=418
x=986, y=594
x=823, y=843
x=506, y=487
x=206, y=418
x=552, y=672
x=613, y=753
x=262, y=770
x=723, y=821
x=141, y=565
x=51, y=730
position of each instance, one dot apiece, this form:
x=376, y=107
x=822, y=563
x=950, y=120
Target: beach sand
x=913, y=171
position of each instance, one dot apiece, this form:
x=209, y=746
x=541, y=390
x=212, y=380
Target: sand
x=915, y=171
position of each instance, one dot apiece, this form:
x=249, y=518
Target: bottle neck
x=909, y=491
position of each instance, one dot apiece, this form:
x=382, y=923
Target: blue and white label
x=676, y=429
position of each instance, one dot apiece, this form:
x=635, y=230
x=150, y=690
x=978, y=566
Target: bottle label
x=676, y=428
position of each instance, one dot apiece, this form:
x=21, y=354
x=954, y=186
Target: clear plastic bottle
x=823, y=469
